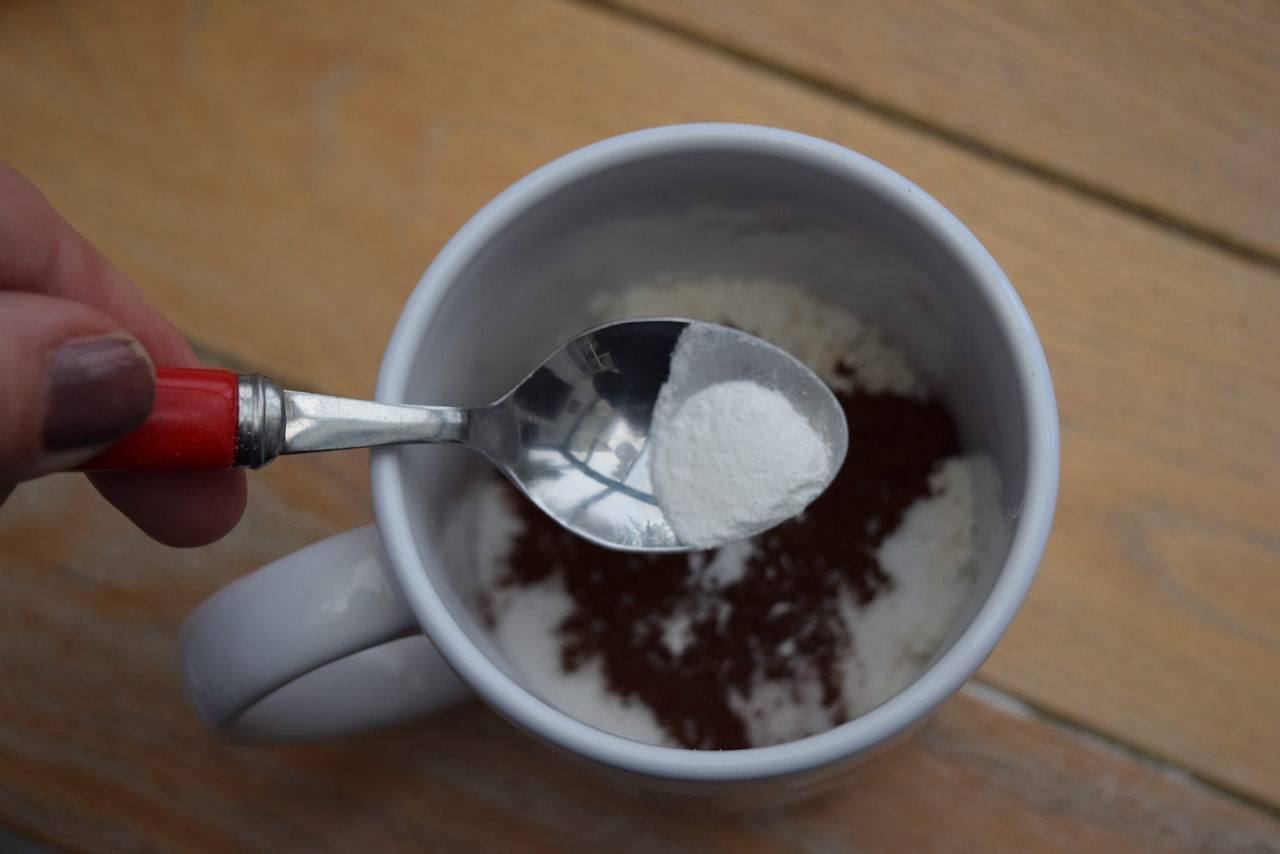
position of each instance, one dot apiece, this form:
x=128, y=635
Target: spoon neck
x=273, y=422
x=317, y=422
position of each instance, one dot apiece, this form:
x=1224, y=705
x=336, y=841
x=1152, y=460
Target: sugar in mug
x=382, y=624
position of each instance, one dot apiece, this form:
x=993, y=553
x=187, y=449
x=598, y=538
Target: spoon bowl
x=583, y=420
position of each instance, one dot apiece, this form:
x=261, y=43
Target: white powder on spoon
x=733, y=459
x=730, y=459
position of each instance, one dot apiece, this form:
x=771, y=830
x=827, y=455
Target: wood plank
x=1175, y=107
x=276, y=175
x=97, y=752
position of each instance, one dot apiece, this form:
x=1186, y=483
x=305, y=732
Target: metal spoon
x=573, y=435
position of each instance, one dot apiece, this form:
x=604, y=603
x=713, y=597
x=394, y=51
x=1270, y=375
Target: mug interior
x=526, y=272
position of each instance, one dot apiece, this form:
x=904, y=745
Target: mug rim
x=865, y=732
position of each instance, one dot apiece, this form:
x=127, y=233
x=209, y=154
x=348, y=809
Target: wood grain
x=1174, y=107
x=275, y=176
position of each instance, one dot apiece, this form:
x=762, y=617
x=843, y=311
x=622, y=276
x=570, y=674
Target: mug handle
x=318, y=644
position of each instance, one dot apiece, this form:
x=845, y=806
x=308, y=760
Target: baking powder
x=733, y=459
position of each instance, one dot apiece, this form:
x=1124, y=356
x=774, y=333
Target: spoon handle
x=213, y=419
x=194, y=424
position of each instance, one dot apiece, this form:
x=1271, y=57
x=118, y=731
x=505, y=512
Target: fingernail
x=97, y=389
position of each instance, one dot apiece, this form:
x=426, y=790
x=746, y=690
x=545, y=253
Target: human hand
x=77, y=349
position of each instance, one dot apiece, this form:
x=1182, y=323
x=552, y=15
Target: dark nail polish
x=97, y=389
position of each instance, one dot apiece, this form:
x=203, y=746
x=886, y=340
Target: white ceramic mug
x=327, y=641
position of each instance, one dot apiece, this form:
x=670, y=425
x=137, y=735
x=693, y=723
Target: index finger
x=40, y=252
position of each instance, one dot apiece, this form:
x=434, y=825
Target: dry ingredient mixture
x=761, y=641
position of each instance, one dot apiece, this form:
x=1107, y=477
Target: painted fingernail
x=97, y=389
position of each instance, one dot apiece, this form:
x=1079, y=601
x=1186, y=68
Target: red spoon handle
x=195, y=424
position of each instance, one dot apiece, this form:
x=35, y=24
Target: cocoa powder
x=779, y=621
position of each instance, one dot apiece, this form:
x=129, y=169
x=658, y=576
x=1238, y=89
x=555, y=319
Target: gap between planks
x=1003, y=701
x=850, y=97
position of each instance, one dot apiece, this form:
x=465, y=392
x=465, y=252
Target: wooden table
x=276, y=175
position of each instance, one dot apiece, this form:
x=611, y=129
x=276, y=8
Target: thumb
x=71, y=383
